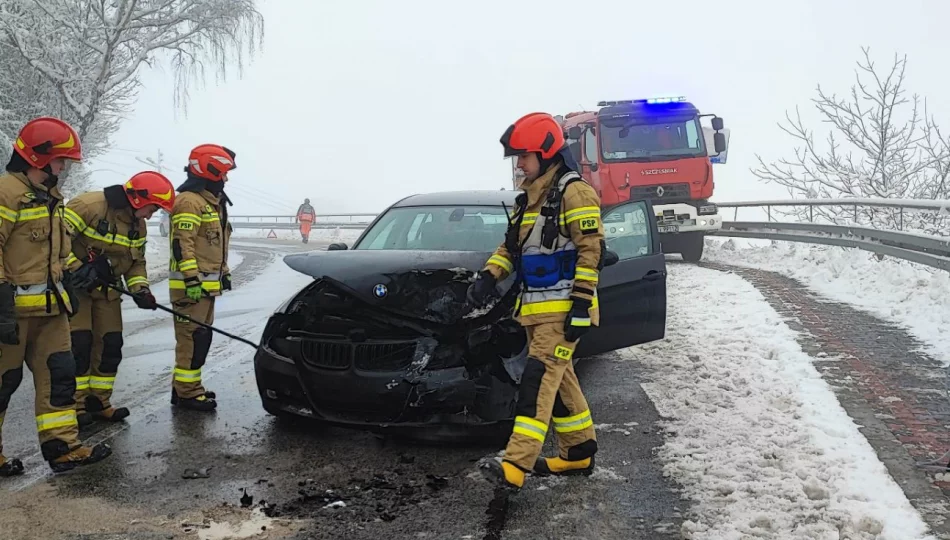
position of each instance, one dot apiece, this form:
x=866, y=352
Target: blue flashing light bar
x=648, y=101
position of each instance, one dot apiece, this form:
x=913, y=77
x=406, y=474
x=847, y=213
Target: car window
x=442, y=228
x=627, y=231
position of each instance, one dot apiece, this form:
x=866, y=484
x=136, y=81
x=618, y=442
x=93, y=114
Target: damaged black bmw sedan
x=383, y=337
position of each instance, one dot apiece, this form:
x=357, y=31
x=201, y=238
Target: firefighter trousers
x=44, y=347
x=97, y=347
x=549, y=392
x=192, y=344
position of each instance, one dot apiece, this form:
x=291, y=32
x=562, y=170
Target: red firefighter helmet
x=211, y=162
x=535, y=132
x=150, y=188
x=43, y=139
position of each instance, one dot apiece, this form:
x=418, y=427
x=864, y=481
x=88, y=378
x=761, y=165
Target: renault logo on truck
x=650, y=172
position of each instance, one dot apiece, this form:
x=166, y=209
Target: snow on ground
x=316, y=235
x=756, y=438
x=913, y=296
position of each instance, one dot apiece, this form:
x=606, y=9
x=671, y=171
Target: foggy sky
x=356, y=104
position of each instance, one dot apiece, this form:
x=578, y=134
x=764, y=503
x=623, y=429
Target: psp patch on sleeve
x=563, y=352
x=589, y=225
x=186, y=226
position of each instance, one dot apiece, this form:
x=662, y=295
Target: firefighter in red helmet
x=554, y=245
x=108, y=230
x=199, y=238
x=34, y=300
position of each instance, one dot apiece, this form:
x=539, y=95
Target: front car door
x=632, y=292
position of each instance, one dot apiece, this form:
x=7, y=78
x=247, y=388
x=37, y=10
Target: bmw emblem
x=380, y=290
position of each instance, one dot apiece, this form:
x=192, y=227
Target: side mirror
x=719, y=140
x=717, y=123
x=575, y=132
x=610, y=258
x=337, y=246
x=594, y=166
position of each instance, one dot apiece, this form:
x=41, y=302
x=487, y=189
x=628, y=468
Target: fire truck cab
x=654, y=149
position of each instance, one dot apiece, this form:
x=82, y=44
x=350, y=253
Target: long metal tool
x=189, y=319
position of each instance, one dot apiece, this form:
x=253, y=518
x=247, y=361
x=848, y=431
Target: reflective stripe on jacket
x=198, y=239
x=114, y=233
x=578, y=244
x=33, y=245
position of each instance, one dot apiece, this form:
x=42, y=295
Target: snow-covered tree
x=881, y=144
x=82, y=59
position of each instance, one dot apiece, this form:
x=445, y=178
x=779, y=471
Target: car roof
x=484, y=197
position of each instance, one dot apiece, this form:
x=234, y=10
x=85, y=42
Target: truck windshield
x=648, y=139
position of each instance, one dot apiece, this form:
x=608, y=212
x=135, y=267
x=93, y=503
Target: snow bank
x=913, y=296
x=756, y=438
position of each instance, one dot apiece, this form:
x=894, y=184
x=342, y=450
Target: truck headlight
x=707, y=209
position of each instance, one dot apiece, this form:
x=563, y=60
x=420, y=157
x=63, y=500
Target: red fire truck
x=655, y=149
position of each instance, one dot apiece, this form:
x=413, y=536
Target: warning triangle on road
x=272, y=234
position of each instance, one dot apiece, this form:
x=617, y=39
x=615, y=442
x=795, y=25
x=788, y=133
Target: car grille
x=665, y=193
x=384, y=356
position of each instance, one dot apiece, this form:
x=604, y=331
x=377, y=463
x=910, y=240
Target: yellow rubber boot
x=563, y=467
x=504, y=474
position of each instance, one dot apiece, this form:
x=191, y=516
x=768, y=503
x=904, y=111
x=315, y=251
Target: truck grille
x=662, y=193
x=330, y=354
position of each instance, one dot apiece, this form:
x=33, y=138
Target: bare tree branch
x=880, y=145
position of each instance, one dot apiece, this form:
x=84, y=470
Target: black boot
x=12, y=467
x=201, y=403
x=80, y=457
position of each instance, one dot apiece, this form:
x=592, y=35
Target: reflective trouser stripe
x=82, y=383
x=529, y=427
x=573, y=423
x=46, y=422
x=101, y=383
x=188, y=375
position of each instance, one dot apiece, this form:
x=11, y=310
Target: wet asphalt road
x=378, y=487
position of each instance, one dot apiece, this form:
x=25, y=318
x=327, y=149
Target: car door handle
x=653, y=276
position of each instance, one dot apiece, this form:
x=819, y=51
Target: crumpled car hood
x=429, y=285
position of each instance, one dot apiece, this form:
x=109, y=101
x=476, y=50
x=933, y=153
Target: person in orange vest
x=306, y=215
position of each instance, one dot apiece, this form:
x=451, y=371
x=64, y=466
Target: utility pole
x=154, y=163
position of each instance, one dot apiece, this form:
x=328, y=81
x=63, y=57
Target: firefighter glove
x=93, y=273
x=578, y=319
x=193, y=289
x=145, y=299
x=482, y=290
x=226, y=282
x=8, y=326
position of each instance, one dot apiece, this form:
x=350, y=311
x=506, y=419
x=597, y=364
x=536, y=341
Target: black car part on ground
x=424, y=357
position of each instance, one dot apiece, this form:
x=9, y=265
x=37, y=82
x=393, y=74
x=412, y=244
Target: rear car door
x=632, y=292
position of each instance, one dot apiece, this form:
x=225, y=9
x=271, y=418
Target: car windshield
x=438, y=228
x=632, y=139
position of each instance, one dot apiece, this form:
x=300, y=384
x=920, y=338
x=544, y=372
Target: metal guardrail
x=924, y=249
x=324, y=221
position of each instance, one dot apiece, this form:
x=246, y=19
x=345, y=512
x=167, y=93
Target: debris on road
x=381, y=497
x=194, y=474
x=246, y=499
